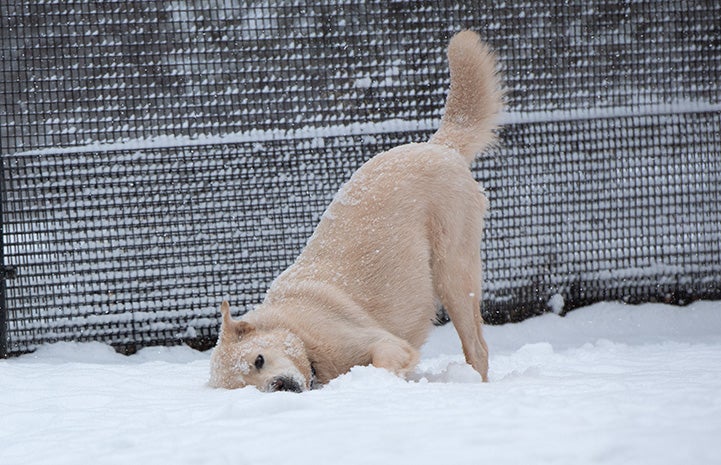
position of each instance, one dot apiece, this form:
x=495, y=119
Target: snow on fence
x=158, y=157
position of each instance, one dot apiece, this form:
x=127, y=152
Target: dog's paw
x=396, y=356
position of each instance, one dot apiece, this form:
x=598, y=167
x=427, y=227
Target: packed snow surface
x=609, y=384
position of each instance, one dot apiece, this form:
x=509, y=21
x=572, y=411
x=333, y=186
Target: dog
x=402, y=236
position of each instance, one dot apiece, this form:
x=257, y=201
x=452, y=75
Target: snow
x=556, y=303
x=606, y=384
x=316, y=134
x=638, y=110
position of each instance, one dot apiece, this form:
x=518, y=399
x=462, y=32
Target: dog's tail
x=474, y=100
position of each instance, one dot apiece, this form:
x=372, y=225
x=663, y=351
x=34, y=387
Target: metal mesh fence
x=158, y=156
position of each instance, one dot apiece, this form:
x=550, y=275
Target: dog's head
x=271, y=360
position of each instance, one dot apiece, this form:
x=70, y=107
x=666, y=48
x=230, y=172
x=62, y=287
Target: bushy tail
x=475, y=98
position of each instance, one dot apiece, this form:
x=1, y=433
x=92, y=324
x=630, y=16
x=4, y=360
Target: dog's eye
x=259, y=362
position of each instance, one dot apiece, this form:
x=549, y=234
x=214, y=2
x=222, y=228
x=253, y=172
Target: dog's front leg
x=393, y=354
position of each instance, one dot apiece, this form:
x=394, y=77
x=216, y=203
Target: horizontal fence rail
x=158, y=157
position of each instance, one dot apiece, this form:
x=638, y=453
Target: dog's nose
x=285, y=384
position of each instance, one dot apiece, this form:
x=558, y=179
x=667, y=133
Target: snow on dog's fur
x=402, y=235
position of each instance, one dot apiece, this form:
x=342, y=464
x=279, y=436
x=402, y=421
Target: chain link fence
x=159, y=156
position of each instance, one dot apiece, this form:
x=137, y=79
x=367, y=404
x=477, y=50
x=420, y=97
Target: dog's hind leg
x=457, y=280
x=459, y=287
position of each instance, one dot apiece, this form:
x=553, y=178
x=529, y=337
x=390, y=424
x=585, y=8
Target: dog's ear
x=232, y=330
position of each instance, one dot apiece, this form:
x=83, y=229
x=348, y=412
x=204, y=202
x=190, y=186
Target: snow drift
x=606, y=384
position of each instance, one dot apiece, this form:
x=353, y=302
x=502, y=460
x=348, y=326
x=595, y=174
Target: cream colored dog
x=401, y=236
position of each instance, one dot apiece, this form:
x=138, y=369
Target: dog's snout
x=285, y=384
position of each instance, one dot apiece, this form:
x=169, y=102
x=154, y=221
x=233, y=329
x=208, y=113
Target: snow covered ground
x=609, y=384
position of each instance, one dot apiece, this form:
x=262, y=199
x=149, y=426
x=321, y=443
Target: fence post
x=6, y=272
x=3, y=307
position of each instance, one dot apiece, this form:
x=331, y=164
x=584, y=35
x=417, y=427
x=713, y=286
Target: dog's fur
x=403, y=235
